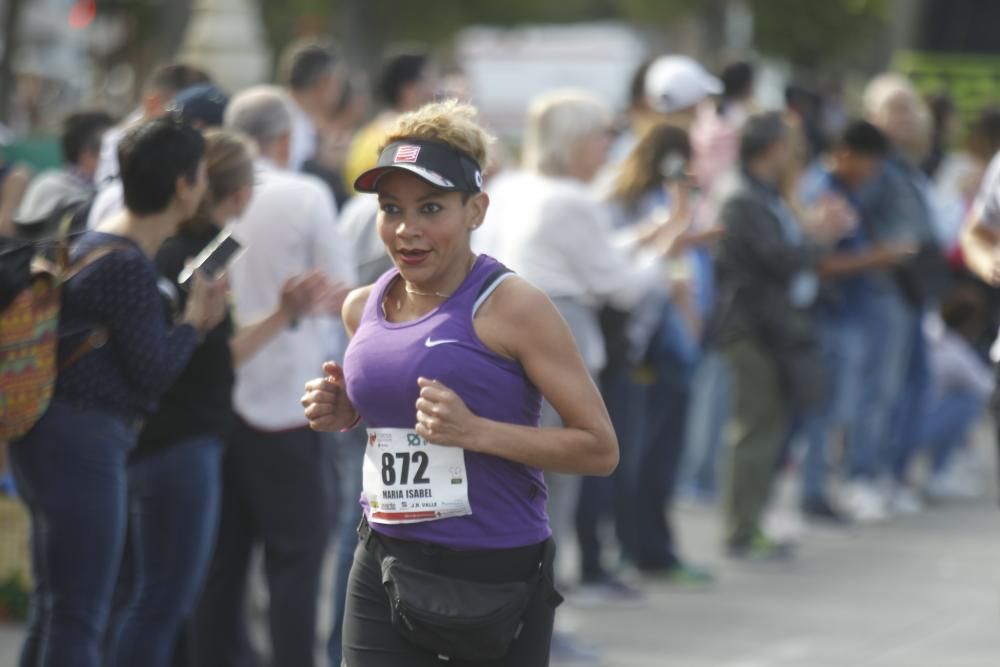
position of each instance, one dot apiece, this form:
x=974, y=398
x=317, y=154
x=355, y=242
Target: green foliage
x=814, y=32
x=14, y=596
x=807, y=32
x=285, y=20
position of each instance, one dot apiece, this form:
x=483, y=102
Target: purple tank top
x=381, y=368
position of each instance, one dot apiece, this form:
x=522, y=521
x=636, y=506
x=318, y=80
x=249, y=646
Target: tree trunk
x=360, y=36
x=12, y=17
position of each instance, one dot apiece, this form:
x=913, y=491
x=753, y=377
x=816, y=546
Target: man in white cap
x=676, y=85
x=664, y=89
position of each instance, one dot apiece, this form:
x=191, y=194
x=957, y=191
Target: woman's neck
x=147, y=231
x=407, y=300
x=449, y=282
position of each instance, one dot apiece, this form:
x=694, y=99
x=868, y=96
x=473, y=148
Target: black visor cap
x=439, y=164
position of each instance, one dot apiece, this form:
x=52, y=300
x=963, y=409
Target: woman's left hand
x=442, y=417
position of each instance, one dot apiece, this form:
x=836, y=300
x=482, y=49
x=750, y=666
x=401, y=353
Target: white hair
x=263, y=113
x=557, y=122
x=884, y=88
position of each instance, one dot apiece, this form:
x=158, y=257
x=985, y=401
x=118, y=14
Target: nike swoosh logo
x=434, y=343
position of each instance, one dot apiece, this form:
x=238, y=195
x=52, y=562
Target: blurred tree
x=11, y=17
x=810, y=34
x=364, y=27
x=806, y=33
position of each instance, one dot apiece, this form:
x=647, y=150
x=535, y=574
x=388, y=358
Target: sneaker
x=820, y=509
x=953, y=484
x=904, y=500
x=864, y=503
x=566, y=649
x=606, y=590
x=762, y=549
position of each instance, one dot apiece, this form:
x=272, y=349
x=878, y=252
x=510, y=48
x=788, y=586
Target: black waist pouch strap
x=455, y=618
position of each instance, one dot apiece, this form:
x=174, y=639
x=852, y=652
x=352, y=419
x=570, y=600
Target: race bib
x=408, y=480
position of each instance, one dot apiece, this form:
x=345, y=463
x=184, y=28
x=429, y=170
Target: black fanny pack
x=455, y=618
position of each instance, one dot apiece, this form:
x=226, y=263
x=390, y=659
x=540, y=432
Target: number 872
x=405, y=459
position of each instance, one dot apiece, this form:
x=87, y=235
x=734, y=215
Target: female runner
x=450, y=357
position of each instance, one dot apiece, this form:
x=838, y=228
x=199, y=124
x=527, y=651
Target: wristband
x=357, y=420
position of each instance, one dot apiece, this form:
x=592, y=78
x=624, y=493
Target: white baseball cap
x=674, y=83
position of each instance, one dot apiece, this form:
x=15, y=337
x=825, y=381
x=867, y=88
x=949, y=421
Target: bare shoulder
x=515, y=299
x=354, y=307
x=516, y=314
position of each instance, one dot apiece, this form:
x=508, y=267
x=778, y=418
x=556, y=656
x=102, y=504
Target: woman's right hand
x=325, y=402
x=206, y=305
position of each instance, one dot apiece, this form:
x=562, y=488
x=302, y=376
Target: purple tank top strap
x=374, y=302
x=483, y=273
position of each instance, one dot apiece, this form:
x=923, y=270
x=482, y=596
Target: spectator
x=71, y=467
x=854, y=161
x=161, y=89
x=545, y=224
x=59, y=192
x=962, y=383
x=635, y=116
x=666, y=89
x=335, y=134
x=895, y=208
x=943, y=117
x=981, y=235
x=406, y=83
x=647, y=390
x=675, y=86
x=807, y=105
x=276, y=490
x=715, y=133
x=174, y=473
x=202, y=105
x=962, y=171
x=767, y=272
x=14, y=182
x=314, y=80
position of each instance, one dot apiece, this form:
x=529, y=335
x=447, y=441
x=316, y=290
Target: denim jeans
x=889, y=326
x=711, y=402
x=651, y=544
x=348, y=454
x=70, y=469
x=608, y=496
x=174, y=497
x=650, y=418
x=843, y=348
x=947, y=423
x=911, y=407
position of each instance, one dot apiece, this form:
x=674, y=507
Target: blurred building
x=227, y=39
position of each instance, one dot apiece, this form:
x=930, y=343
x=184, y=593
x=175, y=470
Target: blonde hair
x=450, y=122
x=229, y=159
x=557, y=122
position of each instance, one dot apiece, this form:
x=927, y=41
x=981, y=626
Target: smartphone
x=673, y=167
x=214, y=259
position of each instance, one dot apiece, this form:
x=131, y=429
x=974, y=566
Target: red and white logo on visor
x=407, y=154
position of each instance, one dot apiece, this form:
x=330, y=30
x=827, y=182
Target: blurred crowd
x=763, y=296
